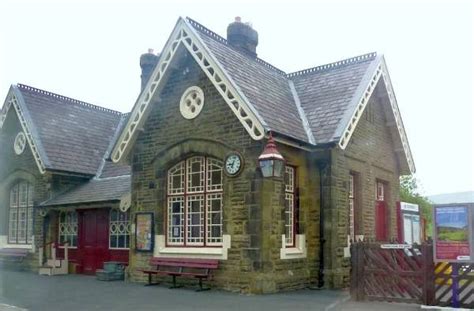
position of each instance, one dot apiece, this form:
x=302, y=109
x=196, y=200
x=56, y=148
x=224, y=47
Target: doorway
x=93, y=246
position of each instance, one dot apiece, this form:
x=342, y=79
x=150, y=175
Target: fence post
x=354, y=276
x=428, y=274
x=357, y=272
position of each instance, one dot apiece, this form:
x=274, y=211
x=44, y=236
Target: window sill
x=4, y=244
x=298, y=251
x=161, y=250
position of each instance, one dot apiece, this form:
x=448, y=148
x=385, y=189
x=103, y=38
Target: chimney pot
x=242, y=37
x=148, y=63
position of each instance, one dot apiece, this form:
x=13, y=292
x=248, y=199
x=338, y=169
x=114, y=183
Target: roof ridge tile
x=67, y=99
x=221, y=39
x=338, y=64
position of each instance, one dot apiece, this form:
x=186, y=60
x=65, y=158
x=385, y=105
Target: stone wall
x=370, y=154
x=14, y=168
x=253, y=207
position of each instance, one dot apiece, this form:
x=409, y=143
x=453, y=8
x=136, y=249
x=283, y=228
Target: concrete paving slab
x=30, y=291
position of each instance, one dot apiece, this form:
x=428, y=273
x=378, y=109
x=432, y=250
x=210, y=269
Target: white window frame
x=119, y=227
x=21, y=203
x=352, y=203
x=191, y=193
x=290, y=223
x=68, y=229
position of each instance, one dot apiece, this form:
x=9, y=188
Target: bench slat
x=14, y=252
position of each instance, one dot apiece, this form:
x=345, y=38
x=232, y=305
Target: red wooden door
x=94, y=239
x=381, y=217
x=381, y=221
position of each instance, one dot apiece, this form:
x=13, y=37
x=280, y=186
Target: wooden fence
x=407, y=274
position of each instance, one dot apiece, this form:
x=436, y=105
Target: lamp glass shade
x=267, y=167
x=278, y=166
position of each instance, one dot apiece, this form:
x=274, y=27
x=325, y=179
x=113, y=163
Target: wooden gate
x=392, y=274
x=408, y=274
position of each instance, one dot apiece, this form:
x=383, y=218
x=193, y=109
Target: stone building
x=55, y=185
x=211, y=118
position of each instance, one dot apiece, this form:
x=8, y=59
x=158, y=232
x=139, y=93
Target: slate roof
x=96, y=190
x=74, y=135
x=325, y=92
x=266, y=87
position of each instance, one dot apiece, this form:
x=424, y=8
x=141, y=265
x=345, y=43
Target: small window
x=380, y=193
x=68, y=228
x=119, y=229
x=290, y=206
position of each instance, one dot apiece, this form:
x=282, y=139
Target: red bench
x=13, y=254
x=185, y=267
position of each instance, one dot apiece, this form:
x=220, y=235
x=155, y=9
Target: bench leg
x=150, y=283
x=174, y=283
x=202, y=288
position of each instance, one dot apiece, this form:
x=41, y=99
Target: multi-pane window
x=20, y=220
x=289, y=206
x=119, y=229
x=380, y=193
x=68, y=228
x=195, y=196
x=352, y=206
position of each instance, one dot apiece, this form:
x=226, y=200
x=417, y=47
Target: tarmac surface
x=29, y=291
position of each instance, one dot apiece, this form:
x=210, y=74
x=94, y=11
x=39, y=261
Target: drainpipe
x=322, y=240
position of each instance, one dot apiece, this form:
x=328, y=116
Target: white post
x=66, y=251
x=40, y=256
x=53, y=252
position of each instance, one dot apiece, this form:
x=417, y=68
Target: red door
x=381, y=216
x=93, y=239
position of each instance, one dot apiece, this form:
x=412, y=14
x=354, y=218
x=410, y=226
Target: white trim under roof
x=362, y=101
x=184, y=34
x=304, y=119
x=13, y=99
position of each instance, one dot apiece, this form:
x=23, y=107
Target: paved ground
x=24, y=290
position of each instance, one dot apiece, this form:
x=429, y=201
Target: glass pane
x=14, y=196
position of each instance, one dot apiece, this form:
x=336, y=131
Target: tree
x=409, y=192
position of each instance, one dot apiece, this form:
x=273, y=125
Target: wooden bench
x=13, y=254
x=185, y=267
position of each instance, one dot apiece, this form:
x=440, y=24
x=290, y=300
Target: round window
x=192, y=102
x=20, y=143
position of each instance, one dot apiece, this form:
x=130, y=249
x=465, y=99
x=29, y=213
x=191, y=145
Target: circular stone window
x=20, y=143
x=192, y=102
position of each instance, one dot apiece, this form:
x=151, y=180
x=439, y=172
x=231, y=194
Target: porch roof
x=95, y=190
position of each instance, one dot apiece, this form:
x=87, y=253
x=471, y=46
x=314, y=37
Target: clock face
x=233, y=163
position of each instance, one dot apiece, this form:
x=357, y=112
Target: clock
x=233, y=164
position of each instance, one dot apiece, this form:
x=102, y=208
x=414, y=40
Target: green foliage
x=409, y=193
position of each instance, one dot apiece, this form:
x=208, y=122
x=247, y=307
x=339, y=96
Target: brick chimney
x=243, y=37
x=148, y=62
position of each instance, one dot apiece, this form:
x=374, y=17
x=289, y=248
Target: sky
x=89, y=50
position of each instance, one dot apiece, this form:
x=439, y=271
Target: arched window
x=20, y=220
x=195, y=196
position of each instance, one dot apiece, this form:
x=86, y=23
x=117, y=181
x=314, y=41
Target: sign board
x=453, y=233
x=395, y=246
x=410, y=207
x=144, y=232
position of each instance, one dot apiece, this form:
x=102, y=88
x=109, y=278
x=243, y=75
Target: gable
x=15, y=101
x=184, y=35
x=377, y=75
